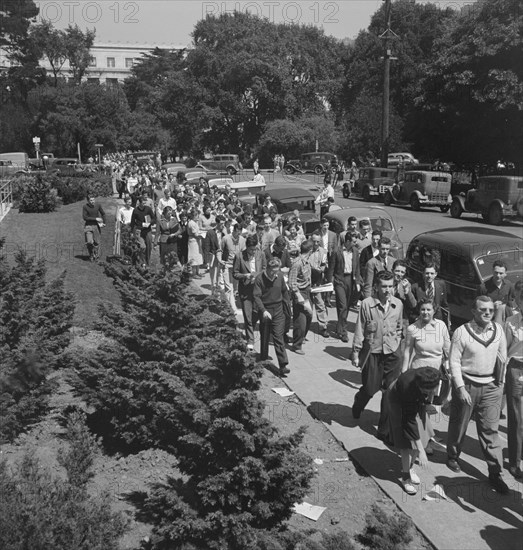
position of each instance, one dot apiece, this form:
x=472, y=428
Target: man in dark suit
x=381, y=262
x=433, y=289
x=371, y=250
x=247, y=265
x=344, y=272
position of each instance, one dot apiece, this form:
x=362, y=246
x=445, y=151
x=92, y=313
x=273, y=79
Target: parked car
x=420, y=188
x=496, y=198
x=12, y=164
x=464, y=257
x=222, y=163
x=174, y=167
x=393, y=159
x=379, y=219
x=373, y=182
x=318, y=162
x=66, y=166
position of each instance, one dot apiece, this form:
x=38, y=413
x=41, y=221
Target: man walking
x=269, y=293
x=500, y=289
x=477, y=388
x=318, y=263
x=142, y=220
x=247, y=265
x=381, y=262
x=376, y=344
x=300, y=288
x=94, y=218
x=344, y=272
x=433, y=289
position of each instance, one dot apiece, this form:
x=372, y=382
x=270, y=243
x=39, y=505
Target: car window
x=383, y=224
x=512, y=258
x=458, y=268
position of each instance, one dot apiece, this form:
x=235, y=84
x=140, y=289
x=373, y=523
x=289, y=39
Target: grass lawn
x=58, y=237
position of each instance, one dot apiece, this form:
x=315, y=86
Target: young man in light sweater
x=477, y=388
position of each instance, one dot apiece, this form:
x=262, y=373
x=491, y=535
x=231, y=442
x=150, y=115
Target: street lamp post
x=36, y=141
x=387, y=36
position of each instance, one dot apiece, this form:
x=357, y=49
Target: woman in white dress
x=194, y=255
x=427, y=345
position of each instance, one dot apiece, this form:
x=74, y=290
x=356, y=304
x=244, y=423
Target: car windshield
x=512, y=258
x=294, y=205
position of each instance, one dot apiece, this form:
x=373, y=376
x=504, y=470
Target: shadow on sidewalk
x=498, y=538
x=352, y=379
x=341, y=352
x=470, y=494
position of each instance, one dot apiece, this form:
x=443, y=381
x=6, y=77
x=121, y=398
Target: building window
x=111, y=81
x=111, y=62
x=93, y=80
x=129, y=62
x=92, y=61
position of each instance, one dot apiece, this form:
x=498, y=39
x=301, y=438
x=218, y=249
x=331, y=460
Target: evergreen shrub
x=37, y=196
x=35, y=318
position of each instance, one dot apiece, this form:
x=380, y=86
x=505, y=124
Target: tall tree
x=51, y=43
x=474, y=86
x=77, y=49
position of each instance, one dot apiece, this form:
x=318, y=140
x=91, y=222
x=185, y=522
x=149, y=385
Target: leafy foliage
x=177, y=376
x=35, y=317
x=38, y=196
x=75, y=188
x=39, y=512
x=386, y=531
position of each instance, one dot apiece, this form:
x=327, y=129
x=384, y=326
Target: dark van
x=464, y=258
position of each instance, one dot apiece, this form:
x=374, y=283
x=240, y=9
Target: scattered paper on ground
x=346, y=459
x=284, y=392
x=309, y=510
x=318, y=461
x=436, y=493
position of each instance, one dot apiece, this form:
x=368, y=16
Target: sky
x=172, y=21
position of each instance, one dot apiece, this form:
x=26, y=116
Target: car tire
x=365, y=194
x=318, y=170
x=456, y=209
x=289, y=170
x=414, y=203
x=495, y=214
x=445, y=208
x=387, y=199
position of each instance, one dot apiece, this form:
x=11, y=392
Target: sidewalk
x=474, y=517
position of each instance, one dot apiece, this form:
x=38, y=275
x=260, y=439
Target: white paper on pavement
x=318, y=461
x=329, y=287
x=309, y=510
x=283, y=392
x=435, y=493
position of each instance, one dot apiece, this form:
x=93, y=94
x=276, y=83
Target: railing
x=6, y=197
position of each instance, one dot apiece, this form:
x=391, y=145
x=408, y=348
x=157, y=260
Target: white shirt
x=124, y=215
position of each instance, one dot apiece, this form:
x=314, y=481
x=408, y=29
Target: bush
x=177, y=376
x=76, y=187
x=35, y=317
x=38, y=196
x=386, y=531
x=39, y=512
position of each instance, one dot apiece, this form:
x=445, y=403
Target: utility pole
x=387, y=36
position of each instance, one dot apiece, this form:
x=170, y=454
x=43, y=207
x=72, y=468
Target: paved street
x=474, y=517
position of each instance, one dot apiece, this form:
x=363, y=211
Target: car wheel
x=445, y=208
x=346, y=193
x=456, y=209
x=387, y=199
x=289, y=170
x=495, y=214
x=414, y=203
x=231, y=171
x=366, y=194
x=318, y=170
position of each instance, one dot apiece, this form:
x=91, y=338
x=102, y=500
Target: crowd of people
x=270, y=271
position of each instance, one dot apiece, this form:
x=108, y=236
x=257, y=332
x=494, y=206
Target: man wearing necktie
x=432, y=289
x=381, y=262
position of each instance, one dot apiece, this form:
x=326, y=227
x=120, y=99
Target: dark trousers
x=249, y=317
x=343, y=292
x=301, y=319
x=486, y=404
x=145, y=239
x=378, y=373
x=514, y=387
x=276, y=327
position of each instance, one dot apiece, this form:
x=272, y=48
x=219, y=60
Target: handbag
x=442, y=396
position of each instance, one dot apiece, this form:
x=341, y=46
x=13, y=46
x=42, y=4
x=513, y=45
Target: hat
x=427, y=378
